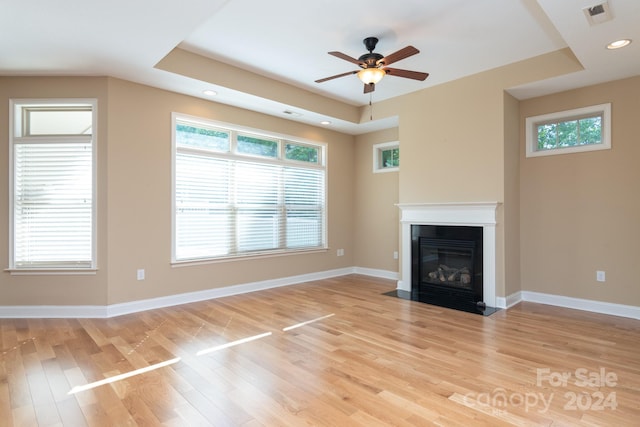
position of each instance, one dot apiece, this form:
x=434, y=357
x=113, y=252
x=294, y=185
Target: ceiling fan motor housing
x=370, y=60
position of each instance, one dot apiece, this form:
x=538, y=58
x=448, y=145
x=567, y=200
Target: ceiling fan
x=373, y=66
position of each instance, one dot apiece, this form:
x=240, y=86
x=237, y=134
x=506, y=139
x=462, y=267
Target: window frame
x=378, y=149
x=233, y=154
x=17, y=134
x=532, y=123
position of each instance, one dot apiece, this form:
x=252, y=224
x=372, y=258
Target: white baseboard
x=53, y=311
x=510, y=300
x=383, y=274
x=96, y=311
x=148, y=304
x=613, y=309
x=85, y=311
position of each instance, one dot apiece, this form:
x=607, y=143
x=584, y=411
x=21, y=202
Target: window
x=240, y=192
x=582, y=129
x=52, y=184
x=386, y=157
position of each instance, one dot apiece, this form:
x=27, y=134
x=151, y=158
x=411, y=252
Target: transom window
x=241, y=192
x=582, y=129
x=52, y=184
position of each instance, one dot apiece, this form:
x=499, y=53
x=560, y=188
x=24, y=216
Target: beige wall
x=511, y=208
x=452, y=144
x=581, y=212
x=453, y=148
x=205, y=69
x=134, y=198
x=377, y=218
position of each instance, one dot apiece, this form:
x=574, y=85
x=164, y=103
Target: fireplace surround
x=465, y=216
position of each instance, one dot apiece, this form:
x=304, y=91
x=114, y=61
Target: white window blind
x=232, y=202
x=52, y=194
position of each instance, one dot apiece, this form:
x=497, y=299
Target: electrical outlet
x=140, y=274
x=395, y=254
x=600, y=276
x=340, y=252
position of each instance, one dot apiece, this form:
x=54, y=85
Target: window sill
x=383, y=170
x=51, y=271
x=187, y=263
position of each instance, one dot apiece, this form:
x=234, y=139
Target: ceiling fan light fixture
x=371, y=75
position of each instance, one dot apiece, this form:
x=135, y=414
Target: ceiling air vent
x=598, y=13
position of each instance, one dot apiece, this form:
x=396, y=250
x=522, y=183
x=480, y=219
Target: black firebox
x=446, y=266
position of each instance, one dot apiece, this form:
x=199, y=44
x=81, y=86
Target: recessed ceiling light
x=325, y=122
x=619, y=44
x=210, y=92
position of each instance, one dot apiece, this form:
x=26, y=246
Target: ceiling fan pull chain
x=370, y=107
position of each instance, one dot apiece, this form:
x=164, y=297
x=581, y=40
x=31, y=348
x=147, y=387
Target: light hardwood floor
x=356, y=358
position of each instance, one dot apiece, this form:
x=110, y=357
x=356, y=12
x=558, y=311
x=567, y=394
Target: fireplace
x=472, y=253
x=446, y=266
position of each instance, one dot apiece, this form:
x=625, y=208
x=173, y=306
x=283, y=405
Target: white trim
x=53, y=311
x=228, y=126
x=531, y=130
x=90, y=311
x=478, y=214
x=96, y=311
x=15, y=133
x=233, y=155
x=52, y=272
x=171, y=300
x=383, y=274
x=602, y=307
x=511, y=300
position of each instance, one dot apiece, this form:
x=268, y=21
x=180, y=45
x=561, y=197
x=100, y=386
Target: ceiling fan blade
x=336, y=76
x=345, y=57
x=369, y=87
x=415, y=75
x=397, y=56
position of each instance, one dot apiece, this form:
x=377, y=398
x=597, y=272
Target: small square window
x=386, y=157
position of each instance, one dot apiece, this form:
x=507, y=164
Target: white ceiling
x=288, y=40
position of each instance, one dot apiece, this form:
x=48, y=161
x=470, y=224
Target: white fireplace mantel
x=474, y=214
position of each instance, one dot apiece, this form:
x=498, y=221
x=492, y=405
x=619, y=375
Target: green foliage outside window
x=301, y=153
x=391, y=158
x=194, y=136
x=257, y=146
x=197, y=137
x=570, y=133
